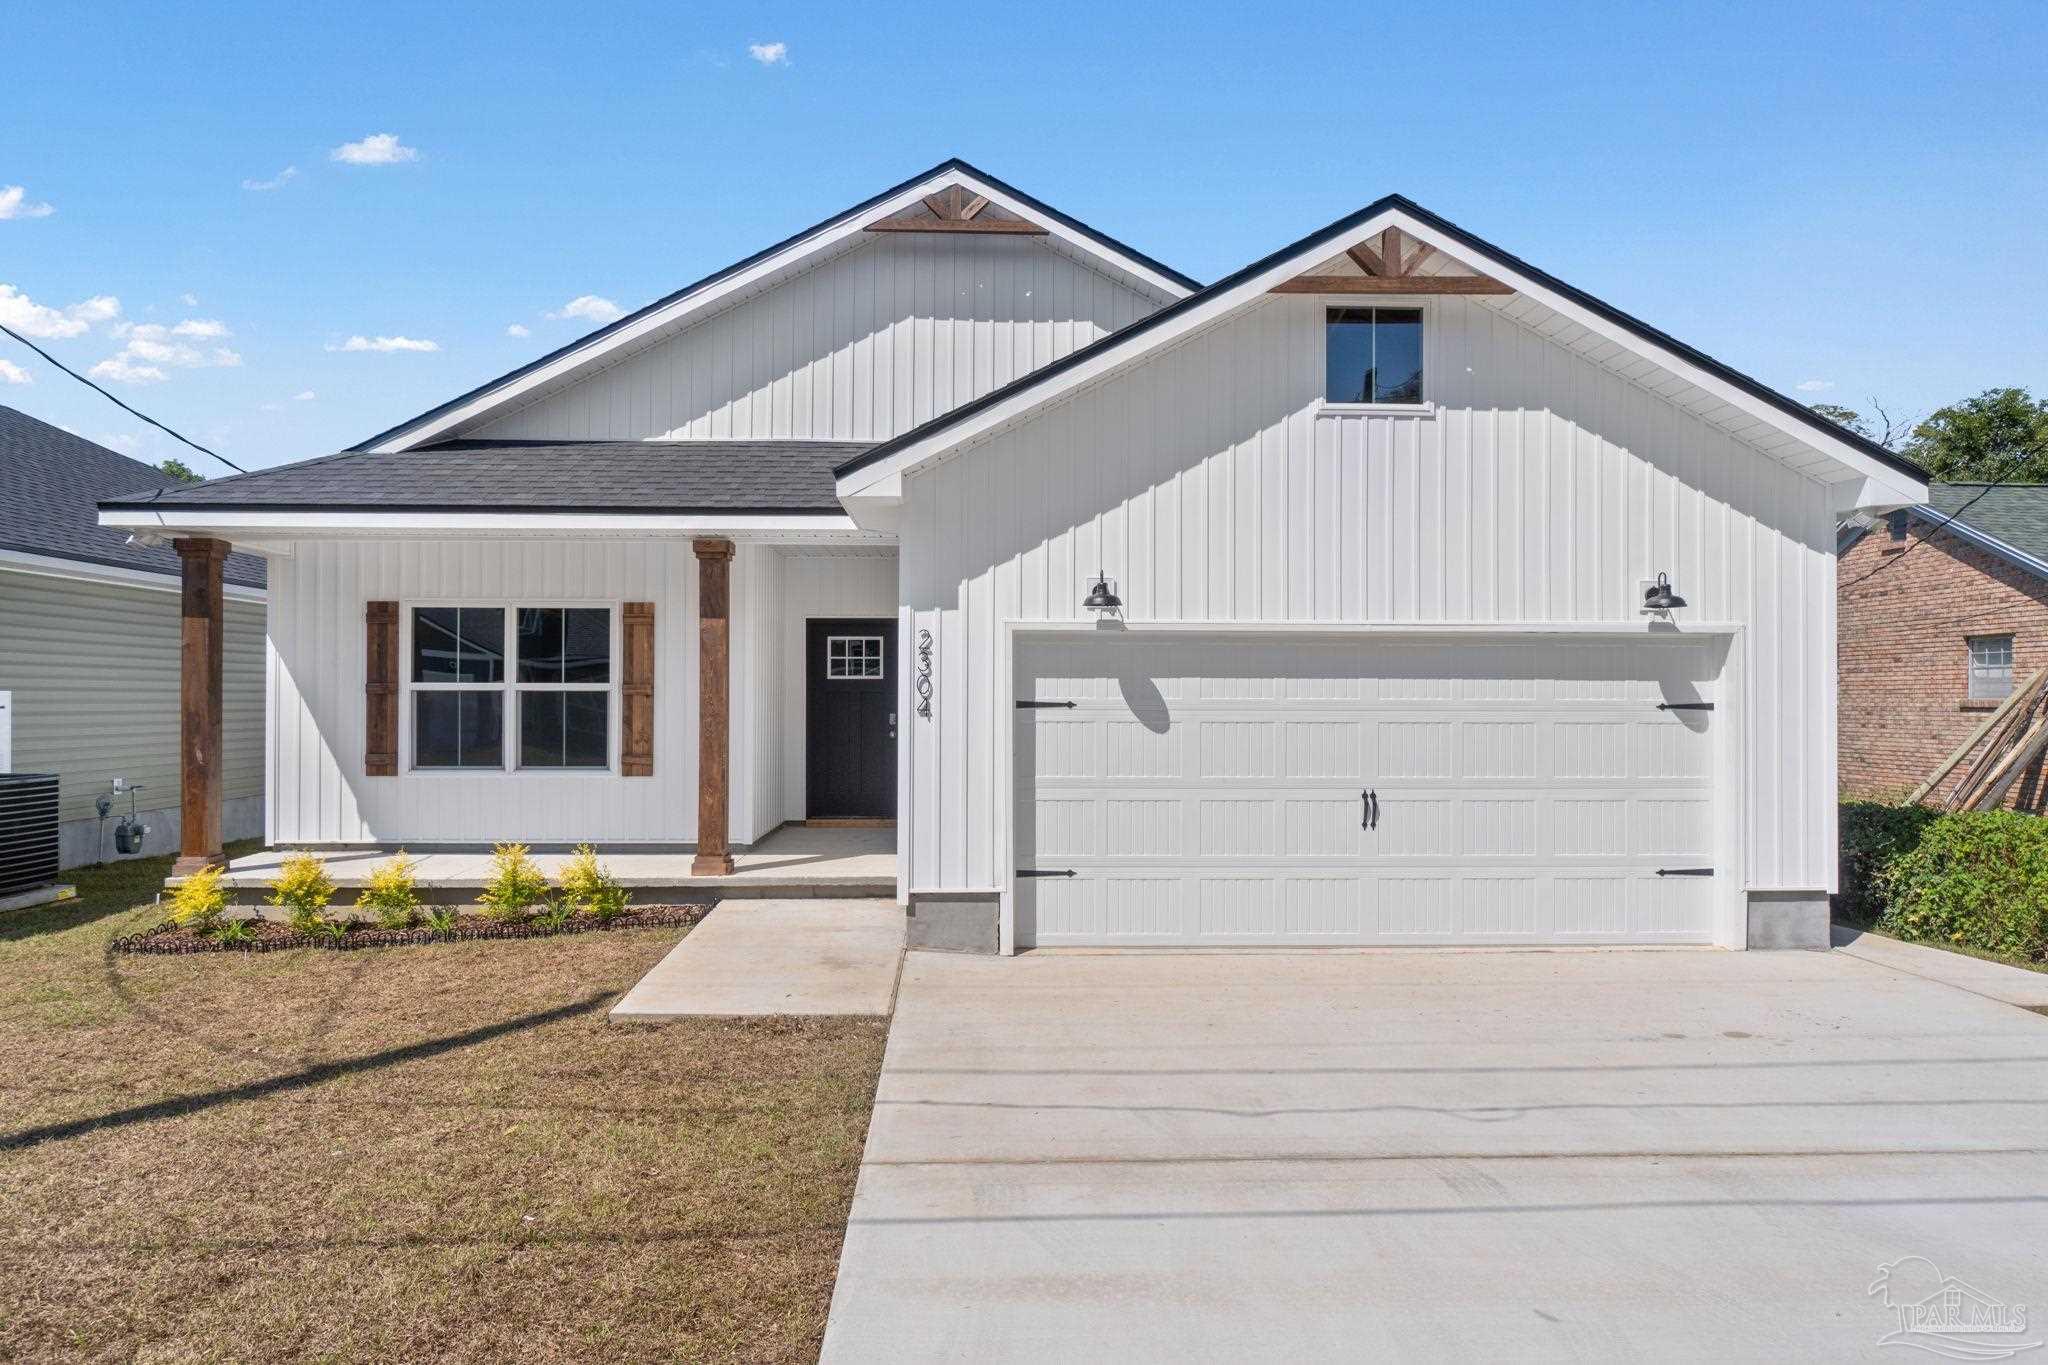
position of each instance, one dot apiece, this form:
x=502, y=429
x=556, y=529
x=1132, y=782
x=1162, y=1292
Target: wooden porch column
x=199, y=685
x=714, y=707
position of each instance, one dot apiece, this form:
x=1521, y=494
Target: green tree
x=2001, y=435
x=1884, y=428
x=180, y=471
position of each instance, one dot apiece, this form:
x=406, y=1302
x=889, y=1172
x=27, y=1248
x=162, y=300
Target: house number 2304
x=924, y=674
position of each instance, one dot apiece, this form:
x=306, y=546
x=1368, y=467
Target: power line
x=1982, y=493
x=117, y=402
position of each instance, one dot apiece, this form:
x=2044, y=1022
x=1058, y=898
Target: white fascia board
x=50, y=566
x=236, y=526
x=1113, y=357
x=708, y=297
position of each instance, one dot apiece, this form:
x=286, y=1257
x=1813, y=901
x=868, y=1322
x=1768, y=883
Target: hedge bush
x=1873, y=834
x=1974, y=878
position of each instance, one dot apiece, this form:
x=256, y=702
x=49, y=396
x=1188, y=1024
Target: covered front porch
x=795, y=861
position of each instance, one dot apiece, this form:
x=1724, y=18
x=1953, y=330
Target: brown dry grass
x=405, y=1154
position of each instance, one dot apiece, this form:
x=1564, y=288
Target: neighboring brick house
x=1937, y=621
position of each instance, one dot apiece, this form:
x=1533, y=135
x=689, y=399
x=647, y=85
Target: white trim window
x=548, y=709
x=1990, y=667
x=1373, y=356
x=853, y=658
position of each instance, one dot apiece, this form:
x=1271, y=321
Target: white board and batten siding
x=864, y=346
x=1212, y=486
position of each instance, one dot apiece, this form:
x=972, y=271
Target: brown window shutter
x=380, y=690
x=636, y=719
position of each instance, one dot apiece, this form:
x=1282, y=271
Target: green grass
x=443, y=1152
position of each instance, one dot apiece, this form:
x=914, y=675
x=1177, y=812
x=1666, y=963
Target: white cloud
x=385, y=344
x=1815, y=385
x=518, y=329
x=283, y=177
x=769, y=54
x=304, y=396
x=124, y=371
x=11, y=373
x=127, y=444
x=589, y=307
x=148, y=348
x=378, y=149
x=189, y=300
x=30, y=318
x=15, y=203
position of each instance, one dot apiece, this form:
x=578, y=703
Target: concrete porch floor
x=793, y=861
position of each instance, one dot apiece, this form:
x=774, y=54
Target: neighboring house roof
x=1570, y=306
x=50, y=485
x=672, y=477
x=673, y=311
x=2015, y=515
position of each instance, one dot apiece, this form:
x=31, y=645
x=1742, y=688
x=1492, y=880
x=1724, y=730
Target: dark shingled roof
x=50, y=482
x=2014, y=513
x=678, y=477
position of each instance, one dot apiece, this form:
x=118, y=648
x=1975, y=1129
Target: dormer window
x=1373, y=355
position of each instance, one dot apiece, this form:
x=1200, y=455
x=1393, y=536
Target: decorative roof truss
x=957, y=209
x=1390, y=263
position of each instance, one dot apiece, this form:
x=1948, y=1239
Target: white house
x=812, y=537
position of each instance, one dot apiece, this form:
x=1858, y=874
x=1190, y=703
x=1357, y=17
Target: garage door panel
x=1208, y=793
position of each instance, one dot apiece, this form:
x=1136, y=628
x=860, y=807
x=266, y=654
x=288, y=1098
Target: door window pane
x=458, y=729
x=458, y=644
x=853, y=656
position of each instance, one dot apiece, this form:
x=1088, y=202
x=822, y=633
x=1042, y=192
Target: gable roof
x=671, y=311
x=2011, y=519
x=50, y=483
x=678, y=478
x=1025, y=394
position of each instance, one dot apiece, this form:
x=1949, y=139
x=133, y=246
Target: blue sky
x=1853, y=196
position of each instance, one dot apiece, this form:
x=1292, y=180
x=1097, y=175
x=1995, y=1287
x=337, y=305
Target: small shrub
x=442, y=919
x=1872, y=835
x=590, y=886
x=331, y=927
x=556, y=914
x=515, y=885
x=1977, y=878
x=233, y=931
x=199, y=900
x=392, y=894
x=303, y=889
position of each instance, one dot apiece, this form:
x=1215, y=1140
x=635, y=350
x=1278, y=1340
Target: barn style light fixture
x=1100, y=599
x=1659, y=596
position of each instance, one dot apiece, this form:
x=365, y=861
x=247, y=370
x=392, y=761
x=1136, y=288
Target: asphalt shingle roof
x=50, y=485
x=2014, y=513
x=776, y=477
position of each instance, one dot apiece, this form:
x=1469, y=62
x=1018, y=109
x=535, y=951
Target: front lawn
x=442, y=1152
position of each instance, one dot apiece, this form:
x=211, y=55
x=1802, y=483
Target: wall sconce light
x=1101, y=599
x=1659, y=597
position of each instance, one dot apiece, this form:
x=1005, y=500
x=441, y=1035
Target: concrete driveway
x=1598, y=1154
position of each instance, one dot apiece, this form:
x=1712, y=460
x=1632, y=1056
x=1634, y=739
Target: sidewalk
x=1993, y=980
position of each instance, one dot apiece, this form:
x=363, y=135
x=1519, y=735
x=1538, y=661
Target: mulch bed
x=270, y=936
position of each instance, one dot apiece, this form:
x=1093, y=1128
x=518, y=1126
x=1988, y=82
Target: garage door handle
x=1045, y=872
x=1368, y=809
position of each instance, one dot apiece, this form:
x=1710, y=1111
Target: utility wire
x=1942, y=525
x=117, y=402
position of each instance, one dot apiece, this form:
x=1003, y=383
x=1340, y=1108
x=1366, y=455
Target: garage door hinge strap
x=1046, y=872
x=1685, y=706
x=1045, y=705
x=1685, y=871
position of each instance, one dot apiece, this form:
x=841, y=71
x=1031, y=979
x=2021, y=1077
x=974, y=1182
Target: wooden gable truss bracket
x=1390, y=268
x=957, y=209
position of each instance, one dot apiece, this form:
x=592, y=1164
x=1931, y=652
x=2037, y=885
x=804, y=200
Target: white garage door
x=1244, y=791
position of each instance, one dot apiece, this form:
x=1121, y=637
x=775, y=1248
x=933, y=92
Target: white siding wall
x=1208, y=485
x=863, y=347
x=317, y=791
x=759, y=667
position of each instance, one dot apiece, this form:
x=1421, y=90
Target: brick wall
x=1903, y=666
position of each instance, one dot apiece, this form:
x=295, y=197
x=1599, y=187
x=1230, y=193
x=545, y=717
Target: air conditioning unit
x=28, y=831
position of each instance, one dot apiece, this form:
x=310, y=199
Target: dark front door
x=851, y=720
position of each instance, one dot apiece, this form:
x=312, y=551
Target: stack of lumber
x=2012, y=737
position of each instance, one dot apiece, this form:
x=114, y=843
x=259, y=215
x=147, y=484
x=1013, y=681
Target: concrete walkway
x=1675, y=1154
x=1993, y=980
x=752, y=957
